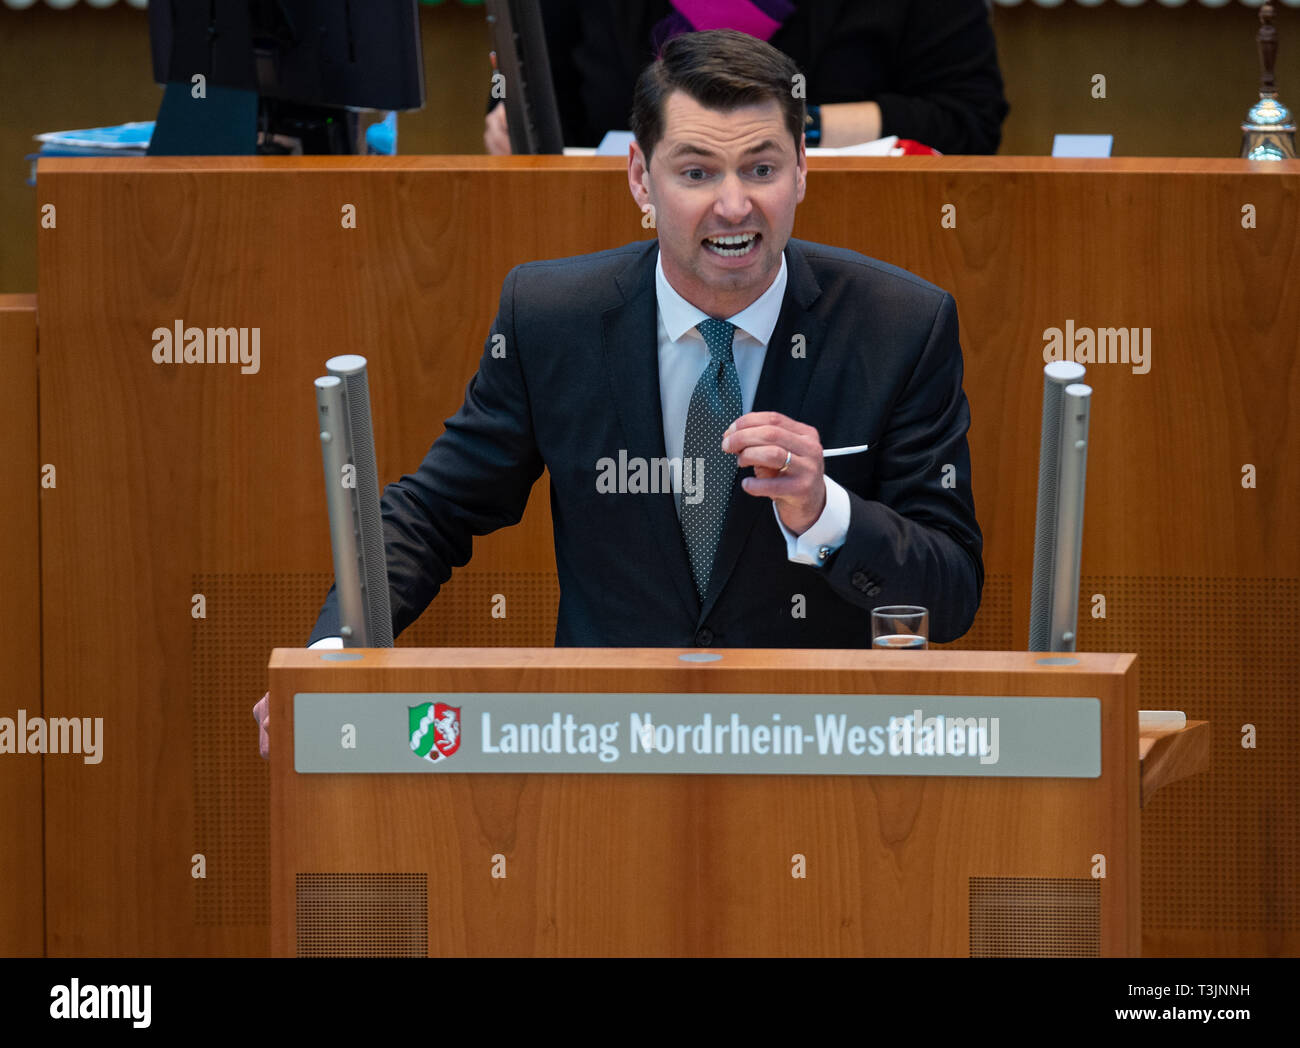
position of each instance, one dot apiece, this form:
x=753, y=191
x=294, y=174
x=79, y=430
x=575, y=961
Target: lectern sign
x=705, y=734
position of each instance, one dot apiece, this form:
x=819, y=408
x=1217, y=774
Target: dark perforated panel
x=247, y=616
x=1220, y=850
x=363, y=914
x=1035, y=917
x=462, y=614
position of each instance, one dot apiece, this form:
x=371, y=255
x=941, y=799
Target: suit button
x=872, y=590
x=860, y=581
x=704, y=637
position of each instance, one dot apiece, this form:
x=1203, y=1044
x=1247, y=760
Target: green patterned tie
x=715, y=405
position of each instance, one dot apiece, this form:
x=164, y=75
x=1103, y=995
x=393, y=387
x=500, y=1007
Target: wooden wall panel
x=1178, y=82
x=22, y=872
x=185, y=477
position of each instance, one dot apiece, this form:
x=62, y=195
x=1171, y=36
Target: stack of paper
x=123, y=140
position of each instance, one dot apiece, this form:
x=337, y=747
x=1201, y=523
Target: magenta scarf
x=758, y=18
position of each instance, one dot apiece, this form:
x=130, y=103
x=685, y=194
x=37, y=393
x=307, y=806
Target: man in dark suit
x=769, y=351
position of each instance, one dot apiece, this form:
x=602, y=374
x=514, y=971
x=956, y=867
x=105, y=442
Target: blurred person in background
x=925, y=70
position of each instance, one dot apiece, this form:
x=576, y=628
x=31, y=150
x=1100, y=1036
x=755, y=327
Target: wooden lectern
x=442, y=862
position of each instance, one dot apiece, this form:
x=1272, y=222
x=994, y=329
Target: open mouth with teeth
x=735, y=246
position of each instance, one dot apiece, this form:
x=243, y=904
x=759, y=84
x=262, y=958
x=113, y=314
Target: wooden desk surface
x=1171, y=754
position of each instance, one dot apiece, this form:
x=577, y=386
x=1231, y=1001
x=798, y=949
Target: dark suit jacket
x=931, y=65
x=579, y=381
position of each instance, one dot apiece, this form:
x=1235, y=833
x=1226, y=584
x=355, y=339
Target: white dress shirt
x=683, y=356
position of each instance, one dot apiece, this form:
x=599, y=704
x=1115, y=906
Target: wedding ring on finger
x=788, y=456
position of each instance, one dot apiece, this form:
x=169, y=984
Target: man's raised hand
x=788, y=465
x=262, y=714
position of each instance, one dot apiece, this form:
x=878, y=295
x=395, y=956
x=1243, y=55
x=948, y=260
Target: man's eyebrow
x=691, y=149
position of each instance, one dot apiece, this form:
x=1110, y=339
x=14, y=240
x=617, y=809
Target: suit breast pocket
x=853, y=472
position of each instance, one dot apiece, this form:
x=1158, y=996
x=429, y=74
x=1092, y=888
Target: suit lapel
x=782, y=386
x=631, y=357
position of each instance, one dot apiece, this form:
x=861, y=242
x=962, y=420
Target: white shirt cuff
x=327, y=642
x=826, y=535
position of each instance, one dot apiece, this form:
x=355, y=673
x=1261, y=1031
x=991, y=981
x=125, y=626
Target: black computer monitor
x=299, y=69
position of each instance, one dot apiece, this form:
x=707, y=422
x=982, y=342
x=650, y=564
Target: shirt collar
x=758, y=319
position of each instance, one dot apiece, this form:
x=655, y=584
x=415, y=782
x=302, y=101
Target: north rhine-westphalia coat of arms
x=435, y=730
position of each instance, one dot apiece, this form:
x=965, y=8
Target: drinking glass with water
x=900, y=626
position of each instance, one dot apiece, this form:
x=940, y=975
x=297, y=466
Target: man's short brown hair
x=721, y=69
